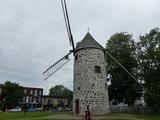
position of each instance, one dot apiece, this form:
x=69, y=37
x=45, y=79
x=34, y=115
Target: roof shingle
x=88, y=42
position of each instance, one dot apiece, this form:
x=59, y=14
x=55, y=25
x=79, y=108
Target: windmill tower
x=90, y=85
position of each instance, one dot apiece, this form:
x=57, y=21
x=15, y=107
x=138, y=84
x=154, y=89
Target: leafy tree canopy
x=123, y=87
x=149, y=64
x=60, y=90
x=11, y=95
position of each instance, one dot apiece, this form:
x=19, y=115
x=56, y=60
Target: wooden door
x=77, y=106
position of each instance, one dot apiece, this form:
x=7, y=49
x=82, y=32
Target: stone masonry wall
x=90, y=88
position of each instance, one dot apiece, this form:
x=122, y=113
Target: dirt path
x=105, y=117
x=69, y=116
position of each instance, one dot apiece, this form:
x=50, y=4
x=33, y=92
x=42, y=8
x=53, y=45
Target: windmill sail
x=56, y=66
x=67, y=23
x=60, y=63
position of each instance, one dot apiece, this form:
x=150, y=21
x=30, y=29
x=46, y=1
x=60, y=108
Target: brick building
x=32, y=97
x=50, y=102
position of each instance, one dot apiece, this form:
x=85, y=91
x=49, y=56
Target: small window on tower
x=105, y=86
x=76, y=57
x=79, y=88
x=97, y=69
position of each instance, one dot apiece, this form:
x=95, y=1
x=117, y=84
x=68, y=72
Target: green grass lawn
x=148, y=117
x=27, y=116
x=122, y=116
x=42, y=115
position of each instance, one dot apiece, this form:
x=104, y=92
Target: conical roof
x=88, y=42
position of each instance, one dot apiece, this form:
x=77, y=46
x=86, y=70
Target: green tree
x=149, y=64
x=123, y=87
x=60, y=90
x=11, y=95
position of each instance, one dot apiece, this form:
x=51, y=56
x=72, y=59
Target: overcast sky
x=33, y=35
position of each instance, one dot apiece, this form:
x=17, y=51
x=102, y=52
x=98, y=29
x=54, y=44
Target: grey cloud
x=33, y=35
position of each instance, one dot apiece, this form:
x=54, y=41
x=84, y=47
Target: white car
x=17, y=109
x=39, y=109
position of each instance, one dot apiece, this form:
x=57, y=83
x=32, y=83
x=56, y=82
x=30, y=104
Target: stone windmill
x=90, y=84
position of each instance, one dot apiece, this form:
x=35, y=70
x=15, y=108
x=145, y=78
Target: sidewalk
x=104, y=117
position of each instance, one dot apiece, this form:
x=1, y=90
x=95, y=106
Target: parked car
x=17, y=109
x=34, y=109
x=39, y=109
x=68, y=109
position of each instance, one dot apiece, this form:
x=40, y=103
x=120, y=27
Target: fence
x=134, y=109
